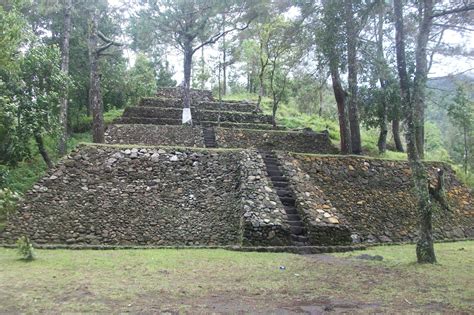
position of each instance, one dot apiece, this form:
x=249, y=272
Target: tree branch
x=216, y=37
x=464, y=8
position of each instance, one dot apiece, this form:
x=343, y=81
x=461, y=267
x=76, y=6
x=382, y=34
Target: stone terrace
x=157, y=121
x=157, y=182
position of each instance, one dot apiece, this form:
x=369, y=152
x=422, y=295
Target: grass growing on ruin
x=199, y=280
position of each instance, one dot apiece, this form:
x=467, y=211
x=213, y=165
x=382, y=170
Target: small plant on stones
x=25, y=248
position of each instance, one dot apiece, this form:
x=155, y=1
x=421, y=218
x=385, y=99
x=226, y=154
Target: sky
x=442, y=65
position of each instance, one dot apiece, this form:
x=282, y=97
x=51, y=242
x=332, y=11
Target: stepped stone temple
x=229, y=179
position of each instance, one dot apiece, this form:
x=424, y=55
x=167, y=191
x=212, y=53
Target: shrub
x=8, y=202
x=25, y=248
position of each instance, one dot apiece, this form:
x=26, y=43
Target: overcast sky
x=442, y=65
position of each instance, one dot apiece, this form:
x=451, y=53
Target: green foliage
x=461, y=113
x=25, y=248
x=164, y=75
x=434, y=149
x=141, y=80
x=8, y=201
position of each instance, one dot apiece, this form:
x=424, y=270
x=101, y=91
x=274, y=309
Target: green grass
x=151, y=281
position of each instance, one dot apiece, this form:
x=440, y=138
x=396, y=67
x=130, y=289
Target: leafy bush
x=8, y=202
x=25, y=248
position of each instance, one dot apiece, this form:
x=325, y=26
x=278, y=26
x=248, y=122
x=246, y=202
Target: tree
x=66, y=34
x=190, y=25
x=424, y=248
x=413, y=98
x=42, y=84
x=351, y=30
x=13, y=25
x=461, y=112
x=331, y=42
x=141, y=79
x=95, y=97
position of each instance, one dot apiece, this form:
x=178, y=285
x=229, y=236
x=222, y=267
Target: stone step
x=296, y=230
x=290, y=209
x=293, y=217
x=285, y=193
x=288, y=201
x=274, y=173
x=278, y=179
x=295, y=223
x=299, y=238
x=280, y=184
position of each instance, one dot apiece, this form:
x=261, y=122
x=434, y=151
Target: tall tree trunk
x=224, y=67
x=65, y=68
x=340, y=96
x=352, y=77
x=95, y=97
x=188, y=61
x=421, y=72
x=320, y=94
x=396, y=135
x=42, y=149
x=382, y=72
x=203, y=64
x=424, y=247
x=466, y=149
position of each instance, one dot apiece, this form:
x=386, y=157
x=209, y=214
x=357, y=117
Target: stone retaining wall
x=304, y=142
x=198, y=115
x=182, y=135
x=264, y=219
x=177, y=92
x=187, y=136
x=375, y=199
x=177, y=103
x=143, y=196
x=324, y=223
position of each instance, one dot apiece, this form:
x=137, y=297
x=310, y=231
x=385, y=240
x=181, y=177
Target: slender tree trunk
x=95, y=97
x=424, y=247
x=382, y=70
x=382, y=142
x=188, y=62
x=203, y=64
x=340, y=96
x=320, y=93
x=42, y=149
x=224, y=67
x=352, y=77
x=396, y=135
x=65, y=68
x=466, y=150
x=421, y=72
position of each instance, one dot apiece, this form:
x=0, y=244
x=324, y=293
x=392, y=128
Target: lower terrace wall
x=374, y=198
x=181, y=135
x=140, y=196
x=187, y=136
x=304, y=142
x=178, y=92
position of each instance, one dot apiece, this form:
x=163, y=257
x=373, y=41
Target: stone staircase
x=209, y=137
x=287, y=198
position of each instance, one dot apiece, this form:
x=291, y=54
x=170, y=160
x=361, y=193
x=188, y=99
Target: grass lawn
x=206, y=281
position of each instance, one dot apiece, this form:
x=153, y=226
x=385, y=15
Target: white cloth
x=187, y=119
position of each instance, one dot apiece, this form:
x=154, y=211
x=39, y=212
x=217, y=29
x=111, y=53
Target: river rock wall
x=181, y=135
x=374, y=198
x=303, y=142
x=145, y=196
